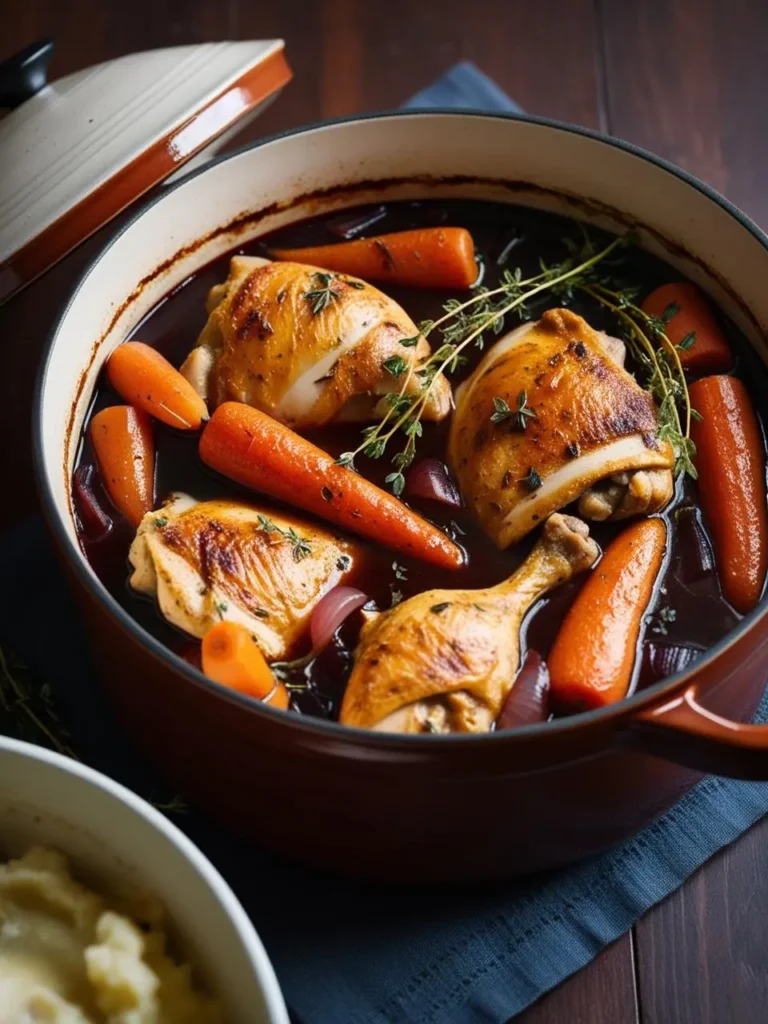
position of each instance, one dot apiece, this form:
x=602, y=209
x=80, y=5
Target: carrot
x=730, y=460
x=146, y=379
x=690, y=324
x=423, y=258
x=250, y=447
x=122, y=440
x=232, y=657
x=591, y=662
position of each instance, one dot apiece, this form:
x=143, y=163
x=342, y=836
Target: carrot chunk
x=250, y=447
x=147, y=380
x=691, y=325
x=423, y=258
x=122, y=440
x=591, y=662
x=232, y=657
x=730, y=460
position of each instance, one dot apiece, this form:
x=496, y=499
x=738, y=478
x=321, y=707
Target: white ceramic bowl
x=112, y=835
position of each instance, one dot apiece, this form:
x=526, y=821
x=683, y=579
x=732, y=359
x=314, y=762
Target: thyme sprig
x=665, y=375
x=300, y=545
x=29, y=711
x=463, y=324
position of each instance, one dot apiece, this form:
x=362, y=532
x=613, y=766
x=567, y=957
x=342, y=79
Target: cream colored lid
x=81, y=150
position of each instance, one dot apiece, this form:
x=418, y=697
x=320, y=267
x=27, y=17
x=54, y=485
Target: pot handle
x=683, y=731
x=25, y=73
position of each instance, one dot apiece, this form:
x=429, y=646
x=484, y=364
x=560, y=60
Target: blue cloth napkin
x=348, y=952
x=463, y=87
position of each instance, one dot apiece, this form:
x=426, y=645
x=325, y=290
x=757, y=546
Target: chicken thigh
x=306, y=346
x=445, y=660
x=212, y=560
x=550, y=415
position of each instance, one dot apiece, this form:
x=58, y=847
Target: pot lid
x=79, y=151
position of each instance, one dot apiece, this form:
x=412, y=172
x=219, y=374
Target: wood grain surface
x=685, y=78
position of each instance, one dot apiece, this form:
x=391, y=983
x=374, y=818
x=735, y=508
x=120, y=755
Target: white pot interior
x=410, y=156
x=114, y=841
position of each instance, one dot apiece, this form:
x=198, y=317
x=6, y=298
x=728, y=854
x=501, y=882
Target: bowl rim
x=210, y=875
x=323, y=728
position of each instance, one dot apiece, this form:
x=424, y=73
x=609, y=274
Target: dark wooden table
x=686, y=78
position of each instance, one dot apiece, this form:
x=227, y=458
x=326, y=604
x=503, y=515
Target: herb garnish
x=395, y=365
x=671, y=310
x=401, y=573
x=532, y=480
x=519, y=416
x=396, y=481
x=301, y=546
x=438, y=608
x=665, y=615
x=463, y=324
x=687, y=341
x=324, y=294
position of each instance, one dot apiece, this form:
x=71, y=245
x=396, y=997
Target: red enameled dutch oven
x=409, y=806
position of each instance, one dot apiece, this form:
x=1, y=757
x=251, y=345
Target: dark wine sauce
x=688, y=609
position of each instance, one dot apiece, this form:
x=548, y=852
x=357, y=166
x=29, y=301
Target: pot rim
x=319, y=727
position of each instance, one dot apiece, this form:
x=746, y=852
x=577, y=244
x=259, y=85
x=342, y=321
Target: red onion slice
x=347, y=226
x=527, y=701
x=430, y=478
x=694, y=550
x=663, y=660
x=95, y=521
x=337, y=605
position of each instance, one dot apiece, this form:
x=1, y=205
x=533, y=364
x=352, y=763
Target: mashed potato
x=66, y=957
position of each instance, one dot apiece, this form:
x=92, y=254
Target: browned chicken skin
x=212, y=560
x=445, y=660
x=589, y=430
x=305, y=346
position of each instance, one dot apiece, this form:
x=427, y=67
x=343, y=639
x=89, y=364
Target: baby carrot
x=232, y=657
x=691, y=325
x=146, y=379
x=731, y=464
x=250, y=447
x=122, y=440
x=591, y=662
x=423, y=258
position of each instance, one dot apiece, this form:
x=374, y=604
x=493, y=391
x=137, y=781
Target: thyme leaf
x=395, y=365
x=532, y=480
x=324, y=294
x=501, y=410
x=519, y=416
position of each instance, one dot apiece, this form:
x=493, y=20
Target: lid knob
x=25, y=74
